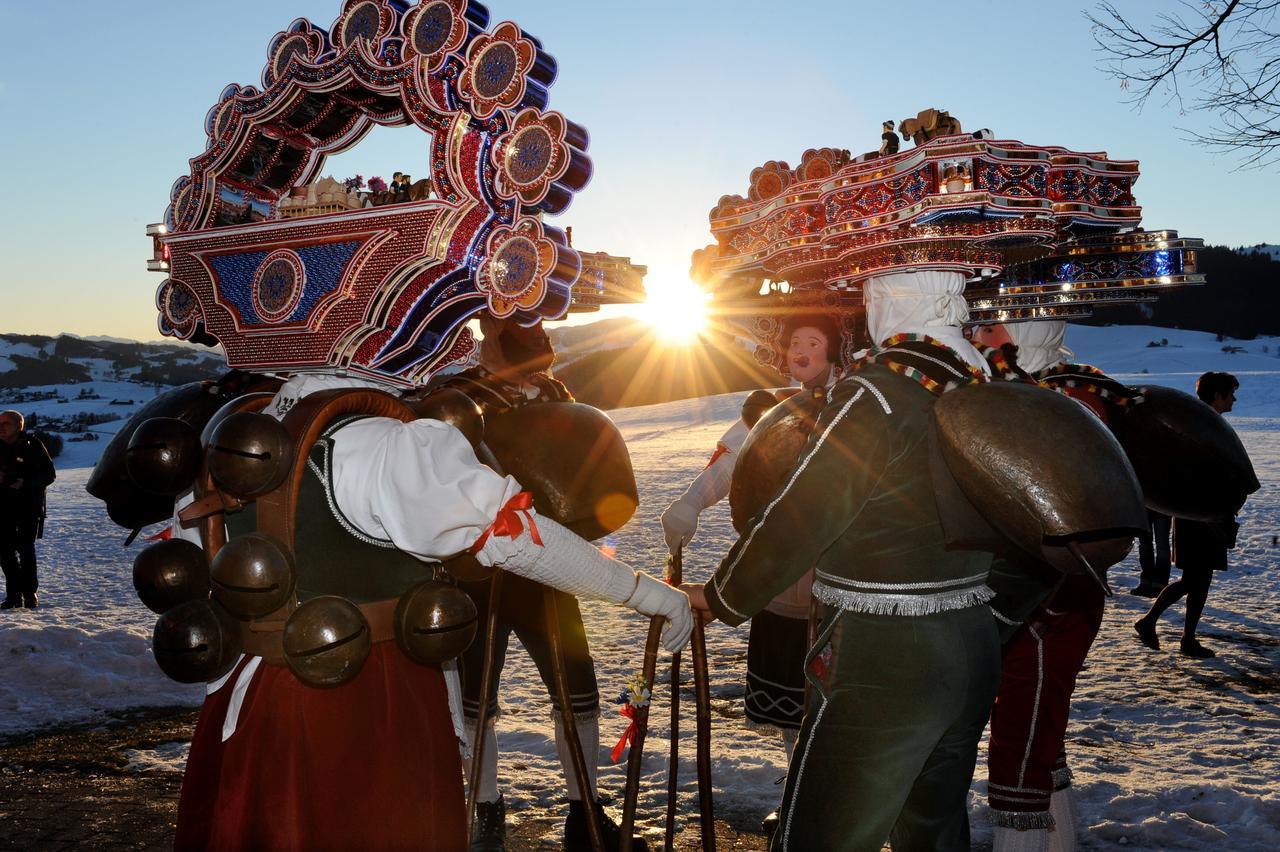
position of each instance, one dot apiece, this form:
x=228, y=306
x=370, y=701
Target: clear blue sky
x=101, y=104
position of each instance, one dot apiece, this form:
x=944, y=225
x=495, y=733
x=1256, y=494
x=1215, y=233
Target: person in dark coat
x=1154, y=555
x=25, y=472
x=1199, y=548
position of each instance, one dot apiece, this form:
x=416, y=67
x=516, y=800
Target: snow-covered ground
x=1169, y=753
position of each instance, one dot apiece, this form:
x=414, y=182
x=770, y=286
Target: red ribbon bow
x=629, y=735
x=507, y=523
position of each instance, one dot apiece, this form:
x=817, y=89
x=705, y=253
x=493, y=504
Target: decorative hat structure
x=382, y=291
x=1040, y=231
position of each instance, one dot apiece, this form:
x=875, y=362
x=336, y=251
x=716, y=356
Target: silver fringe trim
x=869, y=603
x=1062, y=778
x=1022, y=820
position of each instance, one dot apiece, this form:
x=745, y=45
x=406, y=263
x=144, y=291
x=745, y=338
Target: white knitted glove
x=653, y=597
x=679, y=523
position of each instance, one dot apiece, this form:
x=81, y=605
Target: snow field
x=1168, y=753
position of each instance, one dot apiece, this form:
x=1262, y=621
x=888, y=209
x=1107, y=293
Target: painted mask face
x=807, y=354
x=994, y=335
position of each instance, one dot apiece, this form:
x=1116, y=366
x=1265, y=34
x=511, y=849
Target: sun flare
x=677, y=311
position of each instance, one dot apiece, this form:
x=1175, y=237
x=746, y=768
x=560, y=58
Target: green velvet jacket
x=859, y=506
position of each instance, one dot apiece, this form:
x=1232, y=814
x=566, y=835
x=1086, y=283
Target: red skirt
x=373, y=764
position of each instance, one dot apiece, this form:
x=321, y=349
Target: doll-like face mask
x=994, y=335
x=807, y=354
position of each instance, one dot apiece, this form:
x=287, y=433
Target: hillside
x=32, y=360
x=648, y=372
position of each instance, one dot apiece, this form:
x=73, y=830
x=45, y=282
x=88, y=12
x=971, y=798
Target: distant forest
x=1241, y=299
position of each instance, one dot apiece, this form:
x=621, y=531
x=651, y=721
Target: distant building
x=607, y=280
x=1271, y=251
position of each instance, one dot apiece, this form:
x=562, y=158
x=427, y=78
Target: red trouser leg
x=1029, y=719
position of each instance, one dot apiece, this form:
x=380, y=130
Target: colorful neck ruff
x=932, y=364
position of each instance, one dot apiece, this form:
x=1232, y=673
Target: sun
x=677, y=311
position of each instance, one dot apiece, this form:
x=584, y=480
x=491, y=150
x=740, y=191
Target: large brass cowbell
x=249, y=454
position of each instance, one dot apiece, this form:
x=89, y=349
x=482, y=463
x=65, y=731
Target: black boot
x=1192, y=648
x=578, y=839
x=770, y=824
x=11, y=603
x=489, y=834
x=1146, y=630
x=31, y=601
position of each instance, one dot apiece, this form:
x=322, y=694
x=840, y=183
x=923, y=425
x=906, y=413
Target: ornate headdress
x=382, y=291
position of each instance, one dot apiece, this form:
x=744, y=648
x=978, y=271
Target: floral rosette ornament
x=531, y=155
x=770, y=180
x=370, y=21
x=301, y=40
x=820, y=163
x=519, y=262
x=434, y=30
x=498, y=66
x=635, y=696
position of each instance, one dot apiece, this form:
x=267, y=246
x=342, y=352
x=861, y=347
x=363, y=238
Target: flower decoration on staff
x=498, y=64
x=353, y=184
x=635, y=695
x=514, y=274
x=434, y=30
x=531, y=155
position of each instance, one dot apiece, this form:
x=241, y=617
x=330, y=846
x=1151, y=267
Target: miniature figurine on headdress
x=888, y=139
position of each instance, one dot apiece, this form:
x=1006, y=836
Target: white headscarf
x=1040, y=343
x=305, y=384
x=929, y=302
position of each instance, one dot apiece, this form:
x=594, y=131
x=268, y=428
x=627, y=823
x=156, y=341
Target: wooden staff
x=702, y=691
x=486, y=683
x=641, y=720
x=567, y=719
x=673, y=759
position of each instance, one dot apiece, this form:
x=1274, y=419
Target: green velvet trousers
x=887, y=748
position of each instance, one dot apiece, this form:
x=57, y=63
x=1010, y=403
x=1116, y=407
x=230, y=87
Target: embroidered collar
x=1091, y=379
x=932, y=364
x=1004, y=364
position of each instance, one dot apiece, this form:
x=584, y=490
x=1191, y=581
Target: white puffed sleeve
x=418, y=485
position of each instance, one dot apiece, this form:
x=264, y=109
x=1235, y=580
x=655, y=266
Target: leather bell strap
x=265, y=637
x=213, y=503
x=508, y=522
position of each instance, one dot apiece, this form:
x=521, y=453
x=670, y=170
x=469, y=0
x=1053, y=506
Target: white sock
x=1012, y=840
x=589, y=736
x=488, y=786
x=1065, y=815
x=789, y=737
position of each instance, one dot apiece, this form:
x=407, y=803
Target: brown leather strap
x=215, y=503
x=265, y=637
x=306, y=422
x=212, y=526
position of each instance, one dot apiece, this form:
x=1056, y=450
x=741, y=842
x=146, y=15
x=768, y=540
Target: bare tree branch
x=1221, y=58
